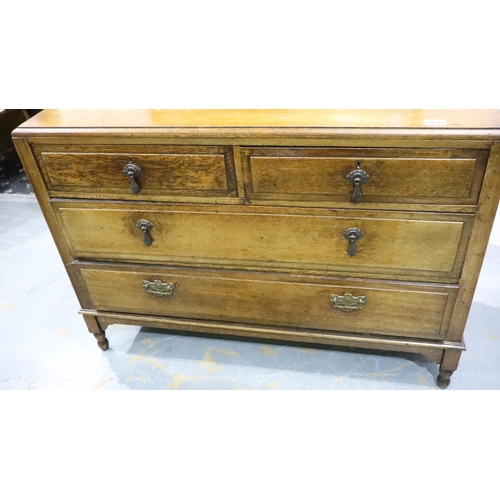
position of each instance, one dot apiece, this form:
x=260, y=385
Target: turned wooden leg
x=95, y=328
x=102, y=341
x=449, y=364
x=443, y=379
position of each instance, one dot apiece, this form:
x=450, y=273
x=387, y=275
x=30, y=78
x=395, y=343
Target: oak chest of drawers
x=351, y=228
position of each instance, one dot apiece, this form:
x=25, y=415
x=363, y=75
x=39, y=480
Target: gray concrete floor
x=44, y=343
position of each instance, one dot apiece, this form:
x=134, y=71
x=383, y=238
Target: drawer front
x=385, y=175
x=415, y=245
x=254, y=298
x=158, y=171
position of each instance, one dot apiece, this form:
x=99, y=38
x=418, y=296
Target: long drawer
x=382, y=175
x=362, y=306
x=137, y=171
x=416, y=245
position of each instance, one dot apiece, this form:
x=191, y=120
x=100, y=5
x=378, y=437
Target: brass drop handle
x=357, y=177
x=158, y=288
x=145, y=226
x=347, y=302
x=133, y=171
x=352, y=235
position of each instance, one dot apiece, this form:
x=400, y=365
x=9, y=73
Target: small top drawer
x=365, y=175
x=137, y=171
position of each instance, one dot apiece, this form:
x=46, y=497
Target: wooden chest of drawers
x=352, y=228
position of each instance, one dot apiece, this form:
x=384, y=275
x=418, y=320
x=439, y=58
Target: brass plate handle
x=133, y=171
x=158, y=288
x=347, y=302
x=352, y=235
x=145, y=226
x=357, y=177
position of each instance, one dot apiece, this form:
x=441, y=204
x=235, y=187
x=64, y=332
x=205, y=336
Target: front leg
x=449, y=363
x=443, y=379
x=96, y=329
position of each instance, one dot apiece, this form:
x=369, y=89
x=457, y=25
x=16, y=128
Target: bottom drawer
x=395, y=309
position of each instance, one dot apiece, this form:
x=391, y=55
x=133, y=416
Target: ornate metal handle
x=132, y=172
x=158, y=288
x=357, y=177
x=347, y=302
x=352, y=235
x=145, y=226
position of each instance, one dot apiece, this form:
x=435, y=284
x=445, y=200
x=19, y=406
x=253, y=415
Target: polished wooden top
x=266, y=118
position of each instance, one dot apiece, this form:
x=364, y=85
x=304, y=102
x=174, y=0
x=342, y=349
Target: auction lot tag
x=434, y=122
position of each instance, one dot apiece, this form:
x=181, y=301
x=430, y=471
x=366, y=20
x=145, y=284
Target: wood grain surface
x=395, y=175
x=273, y=118
x=406, y=244
x=166, y=170
x=391, y=309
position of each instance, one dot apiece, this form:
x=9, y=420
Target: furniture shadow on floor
x=162, y=359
